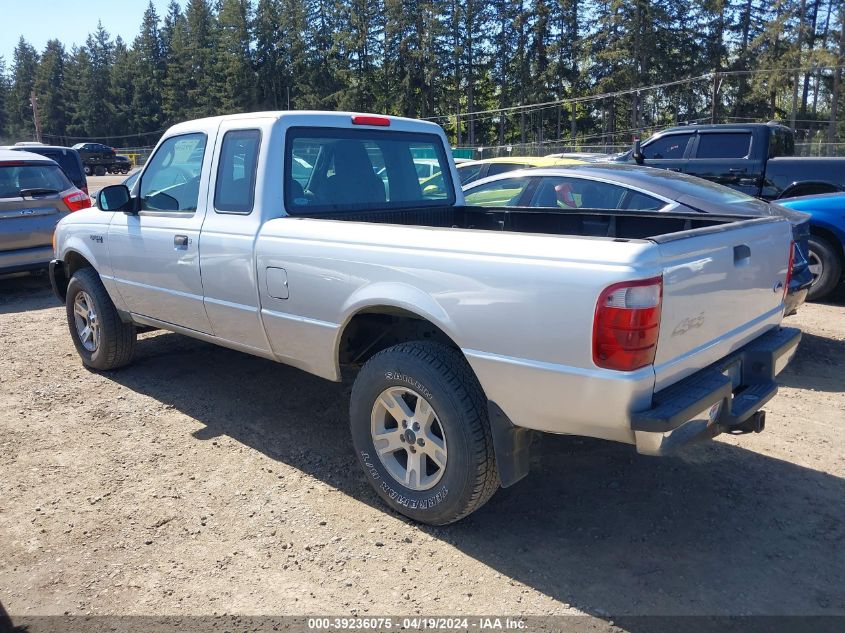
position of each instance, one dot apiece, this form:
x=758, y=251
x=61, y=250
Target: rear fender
x=397, y=295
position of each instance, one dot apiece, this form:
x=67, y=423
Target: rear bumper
x=25, y=259
x=724, y=397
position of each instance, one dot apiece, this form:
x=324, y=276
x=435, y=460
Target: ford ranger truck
x=306, y=238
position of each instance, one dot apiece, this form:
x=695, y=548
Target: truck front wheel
x=99, y=170
x=419, y=426
x=102, y=339
x=826, y=267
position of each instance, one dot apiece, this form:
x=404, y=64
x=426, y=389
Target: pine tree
x=234, y=72
x=19, y=108
x=147, y=76
x=178, y=67
x=200, y=46
x=269, y=55
x=94, y=105
x=4, y=98
x=50, y=90
x=121, y=93
x=78, y=75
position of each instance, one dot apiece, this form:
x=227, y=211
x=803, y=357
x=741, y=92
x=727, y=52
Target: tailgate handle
x=741, y=254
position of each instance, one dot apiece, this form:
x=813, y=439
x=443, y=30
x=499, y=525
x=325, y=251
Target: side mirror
x=637, y=153
x=114, y=198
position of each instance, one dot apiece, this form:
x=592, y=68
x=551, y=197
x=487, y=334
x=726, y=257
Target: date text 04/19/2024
x=480, y=623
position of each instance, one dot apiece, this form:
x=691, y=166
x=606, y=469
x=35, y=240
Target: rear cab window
x=336, y=169
x=723, y=145
x=234, y=189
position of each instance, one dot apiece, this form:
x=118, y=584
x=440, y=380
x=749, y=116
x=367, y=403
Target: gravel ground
x=201, y=480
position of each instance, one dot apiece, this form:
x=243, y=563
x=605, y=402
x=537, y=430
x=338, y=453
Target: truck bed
x=621, y=225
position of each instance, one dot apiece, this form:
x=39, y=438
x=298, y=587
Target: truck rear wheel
x=419, y=426
x=826, y=267
x=102, y=339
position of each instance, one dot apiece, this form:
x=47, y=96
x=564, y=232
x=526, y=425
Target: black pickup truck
x=755, y=158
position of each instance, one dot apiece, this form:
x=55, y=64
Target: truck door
x=728, y=158
x=228, y=236
x=668, y=151
x=155, y=254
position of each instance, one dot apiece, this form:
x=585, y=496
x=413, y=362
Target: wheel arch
x=372, y=328
x=796, y=188
x=831, y=235
x=62, y=270
x=376, y=326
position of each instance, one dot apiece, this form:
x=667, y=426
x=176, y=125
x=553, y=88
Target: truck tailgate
x=720, y=290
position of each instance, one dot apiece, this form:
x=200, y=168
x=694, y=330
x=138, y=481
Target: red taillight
x=12, y=163
x=76, y=200
x=789, y=268
x=627, y=323
x=362, y=119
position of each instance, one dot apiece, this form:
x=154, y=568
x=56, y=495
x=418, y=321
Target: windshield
x=339, y=169
x=17, y=180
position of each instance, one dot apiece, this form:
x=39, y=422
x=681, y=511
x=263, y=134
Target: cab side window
x=234, y=191
x=673, y=146
x=724, y=145
x=172, y=178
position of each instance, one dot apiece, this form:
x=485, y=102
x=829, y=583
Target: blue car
x=826, y=243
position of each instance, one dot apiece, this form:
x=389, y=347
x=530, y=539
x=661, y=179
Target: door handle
x=737, y=170
x=673, y=169
x=741, y=254
x=180, y=241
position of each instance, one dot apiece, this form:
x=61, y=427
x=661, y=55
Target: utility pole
x=798, y=65
x=33, y=100
x=715, y=96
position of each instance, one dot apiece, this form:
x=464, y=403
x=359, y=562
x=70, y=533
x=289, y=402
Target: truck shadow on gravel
x=717, y=530
x=817, y=365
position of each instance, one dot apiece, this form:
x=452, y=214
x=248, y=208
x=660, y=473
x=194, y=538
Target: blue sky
x=69, y=20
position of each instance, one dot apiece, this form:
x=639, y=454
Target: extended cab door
x=728, y=157
x=234, y=217
x=155, y=252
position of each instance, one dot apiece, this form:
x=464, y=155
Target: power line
x=111, y=136
x=606, y=95
x=618, y=93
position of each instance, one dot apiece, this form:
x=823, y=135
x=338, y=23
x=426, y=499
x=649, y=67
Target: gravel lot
x=200, y=480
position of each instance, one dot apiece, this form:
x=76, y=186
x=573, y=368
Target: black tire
x=447, y=383
x=117, y=339
x=99, y=170
x=87, y=170
x=830, y=259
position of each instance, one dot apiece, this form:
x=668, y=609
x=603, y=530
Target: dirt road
x=200, y=480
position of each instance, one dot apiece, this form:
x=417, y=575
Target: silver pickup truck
x=307, y=238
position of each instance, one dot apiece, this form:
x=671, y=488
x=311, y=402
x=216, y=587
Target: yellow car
x=471, y=171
